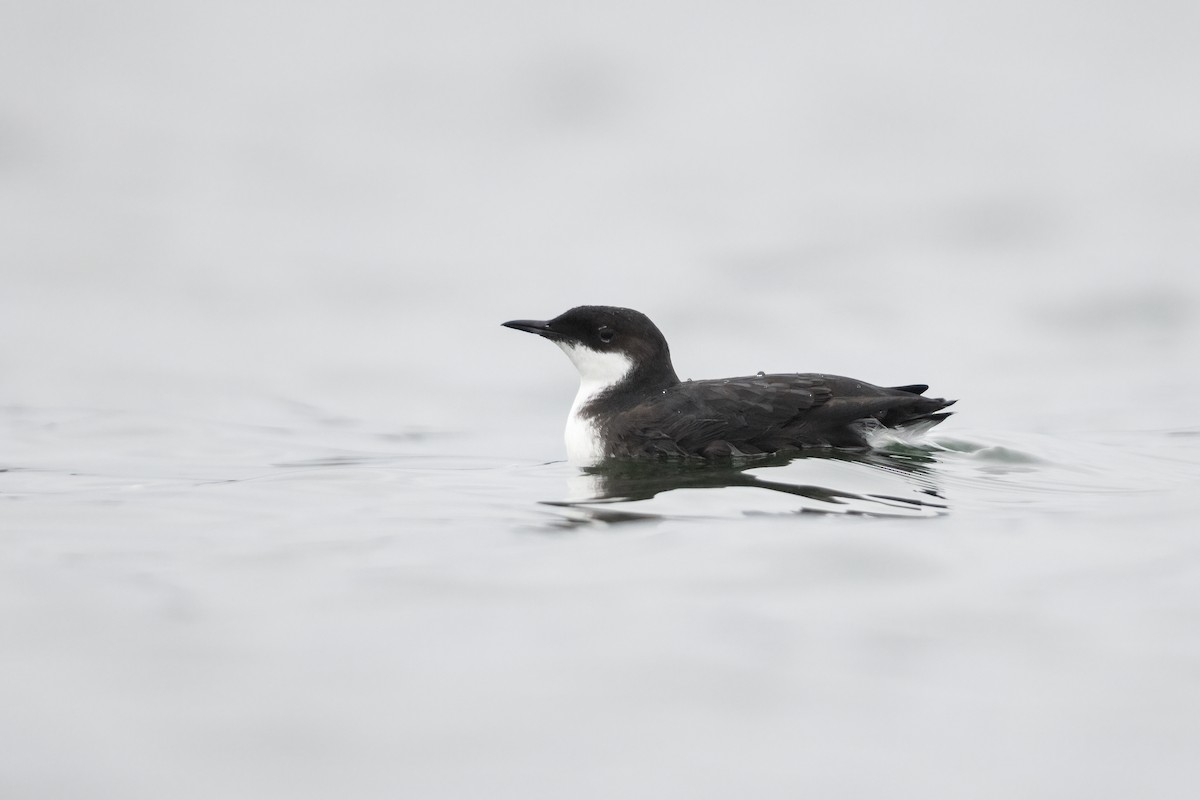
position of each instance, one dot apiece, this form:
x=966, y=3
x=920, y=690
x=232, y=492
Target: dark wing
x=762, y=414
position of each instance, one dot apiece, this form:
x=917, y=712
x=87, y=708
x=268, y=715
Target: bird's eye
x=606, y=334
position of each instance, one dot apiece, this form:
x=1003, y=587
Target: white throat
x=598, y=372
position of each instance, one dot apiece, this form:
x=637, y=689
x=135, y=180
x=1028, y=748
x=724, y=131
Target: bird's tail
x=921, y=414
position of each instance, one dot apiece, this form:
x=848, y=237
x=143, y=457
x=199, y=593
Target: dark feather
x=764, y=414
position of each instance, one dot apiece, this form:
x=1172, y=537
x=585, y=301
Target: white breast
x=598, y=372
x=584, y=445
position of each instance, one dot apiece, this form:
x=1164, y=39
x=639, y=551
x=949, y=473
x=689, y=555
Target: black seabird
x=631, y=404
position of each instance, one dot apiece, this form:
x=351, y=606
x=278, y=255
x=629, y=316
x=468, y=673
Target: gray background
x=270, y=523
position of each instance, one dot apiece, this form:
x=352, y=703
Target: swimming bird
x=631, y=404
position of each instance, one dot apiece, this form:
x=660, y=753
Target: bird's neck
x=632, y=388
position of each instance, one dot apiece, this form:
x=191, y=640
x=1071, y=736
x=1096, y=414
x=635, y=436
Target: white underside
x=598, y=372
x=584, y=446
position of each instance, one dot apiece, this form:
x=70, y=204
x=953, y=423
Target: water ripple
x=869, y=484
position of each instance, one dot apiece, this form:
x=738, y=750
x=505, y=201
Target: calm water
x=282, y=508
x=316, y=607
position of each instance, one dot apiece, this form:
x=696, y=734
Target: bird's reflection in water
x=884, y=483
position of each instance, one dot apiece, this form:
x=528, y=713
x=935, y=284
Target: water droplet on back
x=761, y=374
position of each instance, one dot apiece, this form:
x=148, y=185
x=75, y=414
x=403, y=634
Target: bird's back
x=762, y=414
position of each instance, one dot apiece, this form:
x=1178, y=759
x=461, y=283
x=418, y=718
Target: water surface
x=273, y=606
